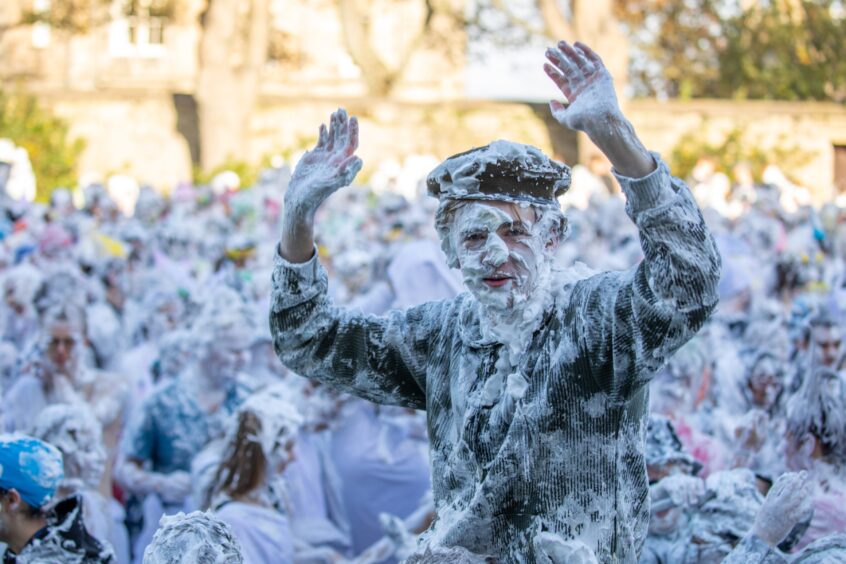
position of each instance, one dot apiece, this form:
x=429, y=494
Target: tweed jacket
x=557, y=446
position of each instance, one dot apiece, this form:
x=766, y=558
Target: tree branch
x=524, y=25
x=379, y=76
x=555, y=24
x=356, y=32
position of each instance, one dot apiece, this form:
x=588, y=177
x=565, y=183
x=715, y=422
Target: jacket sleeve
x=381, y=359
x=629, y=323
x=752, y=550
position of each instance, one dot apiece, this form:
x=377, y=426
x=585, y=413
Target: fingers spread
x=560, y=80
x=573, y=58
x=322, y=137
x=565, y=64
x=333, y=128
x=584, y=62
x=590, y=54
x=352, y=139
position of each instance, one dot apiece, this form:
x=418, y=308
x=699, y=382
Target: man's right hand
x=321, y=172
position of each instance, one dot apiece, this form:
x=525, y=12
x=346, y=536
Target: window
x=138, y=28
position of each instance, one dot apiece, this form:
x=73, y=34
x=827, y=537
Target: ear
x=14, y=498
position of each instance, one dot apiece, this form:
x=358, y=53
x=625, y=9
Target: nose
x=496, y=251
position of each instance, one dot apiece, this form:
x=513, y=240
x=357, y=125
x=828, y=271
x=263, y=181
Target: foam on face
x=512, y=312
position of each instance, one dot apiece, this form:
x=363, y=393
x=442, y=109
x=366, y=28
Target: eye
x=475, y=237
x=517, y=230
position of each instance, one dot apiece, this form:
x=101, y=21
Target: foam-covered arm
x=329, y=166
x=592, y=107
x=753, y=550
x=173, y=487
x=634, y=320
x=381, y=359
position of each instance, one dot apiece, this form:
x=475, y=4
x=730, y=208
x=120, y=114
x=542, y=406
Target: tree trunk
x=597, y=26
x=233, y=49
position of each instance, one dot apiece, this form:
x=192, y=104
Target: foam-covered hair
x=280, y=418
x=57, y=423
x=22, y=282
x=62, y=425
x=223, y=314
x=819, y=407
x=61, y=285
x=195, y=538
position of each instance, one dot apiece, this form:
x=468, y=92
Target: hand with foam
x=788, y=502
x=331, y=165
x=592, y=107
x=582, y=77
x=321, y=172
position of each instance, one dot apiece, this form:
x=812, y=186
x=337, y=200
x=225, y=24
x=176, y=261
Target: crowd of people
x=149, y=419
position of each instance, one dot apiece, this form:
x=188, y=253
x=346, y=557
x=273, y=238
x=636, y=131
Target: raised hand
x=583, y=79
x=788, y=502
x=331, y=165
x=592, y=107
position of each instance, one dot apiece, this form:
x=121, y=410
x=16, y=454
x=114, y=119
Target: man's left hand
x=592, y=107
x=583, y=79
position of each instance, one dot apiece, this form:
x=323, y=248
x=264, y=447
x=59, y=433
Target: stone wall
x=135, y=132
x=392, y=130
x=126, y=132
x=811, y=126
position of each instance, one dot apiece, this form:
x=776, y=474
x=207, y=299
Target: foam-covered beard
x=530, y=260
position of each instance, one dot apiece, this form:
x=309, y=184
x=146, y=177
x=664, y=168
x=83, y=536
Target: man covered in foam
x=191, y=538
x=534, y=382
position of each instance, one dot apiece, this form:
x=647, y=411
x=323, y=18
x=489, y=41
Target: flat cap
x=502, y=170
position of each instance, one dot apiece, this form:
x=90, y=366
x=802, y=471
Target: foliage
x=735, y=148
x=154, y=8
x=52, y=152
x=777, y=49
x=74, y=16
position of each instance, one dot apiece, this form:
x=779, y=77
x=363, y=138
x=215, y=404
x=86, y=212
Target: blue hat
x=31, y=467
